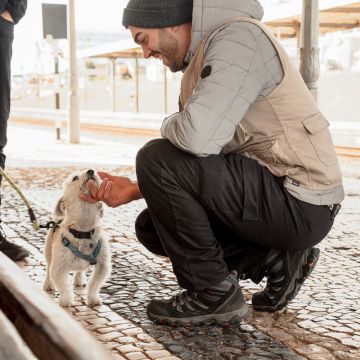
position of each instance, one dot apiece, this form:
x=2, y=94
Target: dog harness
x=82, y=235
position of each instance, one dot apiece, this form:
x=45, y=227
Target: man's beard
x=170, y=49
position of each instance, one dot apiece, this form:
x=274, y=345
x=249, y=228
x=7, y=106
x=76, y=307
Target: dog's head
x=71, y=204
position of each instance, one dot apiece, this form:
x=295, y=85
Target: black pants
x=213, y=214
x=6, y=39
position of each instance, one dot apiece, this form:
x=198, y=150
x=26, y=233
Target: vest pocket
x=320, y=138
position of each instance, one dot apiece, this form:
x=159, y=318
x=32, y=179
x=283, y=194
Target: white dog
x=76, y=243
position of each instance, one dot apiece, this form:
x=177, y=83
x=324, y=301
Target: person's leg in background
x=12, y=250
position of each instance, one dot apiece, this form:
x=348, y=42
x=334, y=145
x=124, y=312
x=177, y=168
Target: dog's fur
x=79, y=215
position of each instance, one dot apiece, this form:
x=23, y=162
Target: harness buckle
x=65, y=242
x=93, y=262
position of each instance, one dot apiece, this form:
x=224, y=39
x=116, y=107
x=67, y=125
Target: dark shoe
x=285, y=278
x=223, y=304
x=13, y=251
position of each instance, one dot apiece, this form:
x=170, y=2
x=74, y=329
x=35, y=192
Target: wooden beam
x=345, y=10
x=11, y=344
x=49, y=331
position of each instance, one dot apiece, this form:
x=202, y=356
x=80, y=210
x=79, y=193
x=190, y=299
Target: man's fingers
x=104, y=175
x=88, y=199
x=107, y=190
x=92, y=189
x=102, y=187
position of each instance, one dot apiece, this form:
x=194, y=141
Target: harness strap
x=90, y=258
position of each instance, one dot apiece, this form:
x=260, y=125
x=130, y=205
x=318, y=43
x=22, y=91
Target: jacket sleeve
x=17, y=8
x=221, y=99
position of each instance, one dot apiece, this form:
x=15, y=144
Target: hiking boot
x=222, y=304
x=13, y=251
x=286, y=274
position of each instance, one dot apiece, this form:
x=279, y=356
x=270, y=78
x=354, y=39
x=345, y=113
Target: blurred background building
x=118, y=90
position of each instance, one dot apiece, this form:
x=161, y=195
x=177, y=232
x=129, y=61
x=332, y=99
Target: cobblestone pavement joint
x=322, y=323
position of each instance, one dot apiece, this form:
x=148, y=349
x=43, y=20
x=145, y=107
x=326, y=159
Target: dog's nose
x=90, y=172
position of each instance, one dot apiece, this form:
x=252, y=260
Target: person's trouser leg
x=6, y=39
x=183, y=192
x=13, y=251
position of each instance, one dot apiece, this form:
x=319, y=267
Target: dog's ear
x=101, y=209
x=60, y=208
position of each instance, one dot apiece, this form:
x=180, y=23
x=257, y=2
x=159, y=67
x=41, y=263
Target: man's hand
x=113, y=190
x=7, y=16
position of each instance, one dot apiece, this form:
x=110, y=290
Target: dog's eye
x=75, y=178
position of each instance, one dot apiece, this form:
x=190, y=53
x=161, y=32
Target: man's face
x=169, y=45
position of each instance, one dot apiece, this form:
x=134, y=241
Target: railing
x=48, y=330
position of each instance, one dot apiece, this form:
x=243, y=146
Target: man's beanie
x=157, y=14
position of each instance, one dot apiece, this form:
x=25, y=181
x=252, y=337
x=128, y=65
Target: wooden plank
x=49, y=331
x=11, y=345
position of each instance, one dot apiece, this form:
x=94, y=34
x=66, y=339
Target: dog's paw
x=80, y=279
x=93, y=301
x=48, y=286
x=66, y=302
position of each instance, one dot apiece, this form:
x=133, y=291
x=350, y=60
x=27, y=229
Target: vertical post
x=112, y=80
x=137, y=80
x=165, y=91
x=309, y=51
x=74, y=114
x=57, y=99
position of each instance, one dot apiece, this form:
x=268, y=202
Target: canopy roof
x=334, y=15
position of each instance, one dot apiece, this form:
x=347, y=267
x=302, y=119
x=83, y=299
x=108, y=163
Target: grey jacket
x=240, y=55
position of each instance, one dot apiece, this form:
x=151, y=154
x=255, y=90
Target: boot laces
x=186, y=299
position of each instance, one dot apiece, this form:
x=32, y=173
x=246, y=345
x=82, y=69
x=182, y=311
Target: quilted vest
x=284, y=131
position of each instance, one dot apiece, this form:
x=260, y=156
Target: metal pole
x=112, y=80
x=74, y=114
x=309, y=51
x=57, y=99
x=137, y=85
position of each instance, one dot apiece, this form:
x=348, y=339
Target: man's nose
x=147, y=52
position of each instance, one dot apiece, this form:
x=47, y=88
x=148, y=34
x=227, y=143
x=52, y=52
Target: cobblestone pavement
x=322, y=323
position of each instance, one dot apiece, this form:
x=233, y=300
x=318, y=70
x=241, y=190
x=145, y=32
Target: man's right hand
x=7, y=16
x=113, y=190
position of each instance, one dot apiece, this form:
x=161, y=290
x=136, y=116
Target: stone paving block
x=128, y=348
x=157, y=354
x=109, y=336
x=136, y=356
x=149, y=346
x=132, y=332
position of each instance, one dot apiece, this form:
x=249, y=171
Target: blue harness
x=82, y=235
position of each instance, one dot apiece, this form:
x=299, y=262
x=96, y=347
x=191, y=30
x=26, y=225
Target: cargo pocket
x=320, y=138
x=252, y=177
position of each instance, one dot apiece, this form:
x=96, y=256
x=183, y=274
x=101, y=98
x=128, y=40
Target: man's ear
x=60, y=208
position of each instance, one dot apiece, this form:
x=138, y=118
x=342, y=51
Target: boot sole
x=225, y=319
x=296, y=283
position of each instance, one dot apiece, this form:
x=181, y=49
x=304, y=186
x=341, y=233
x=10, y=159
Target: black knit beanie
x=156, y=14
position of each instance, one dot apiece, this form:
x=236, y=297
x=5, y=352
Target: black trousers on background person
x=213, y=214
x=6, y=40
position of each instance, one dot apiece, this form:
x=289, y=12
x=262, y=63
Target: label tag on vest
x=296, y=183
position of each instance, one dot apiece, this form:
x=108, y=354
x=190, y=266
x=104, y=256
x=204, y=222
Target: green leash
x=32, y=216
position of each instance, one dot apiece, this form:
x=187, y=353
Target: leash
x=31, y=213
